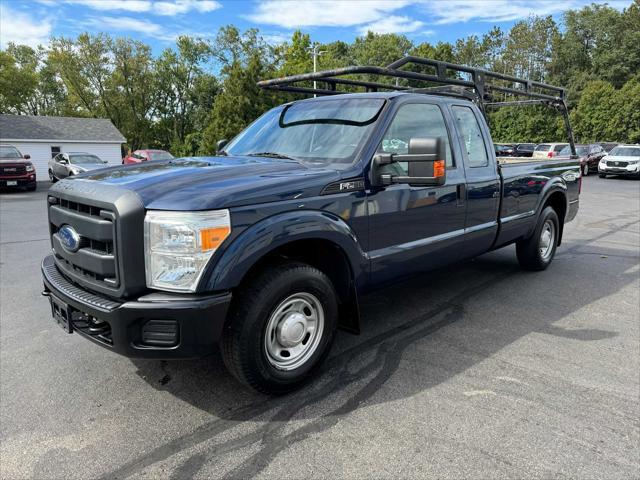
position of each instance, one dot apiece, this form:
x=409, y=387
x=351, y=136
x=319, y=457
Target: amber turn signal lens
x=438, y=168
x=211, y=238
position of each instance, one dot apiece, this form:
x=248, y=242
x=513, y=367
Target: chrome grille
x=94, y=262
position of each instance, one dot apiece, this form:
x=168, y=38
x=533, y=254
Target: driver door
x=416, y=228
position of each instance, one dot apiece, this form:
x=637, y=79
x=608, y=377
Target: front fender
x=273, y=232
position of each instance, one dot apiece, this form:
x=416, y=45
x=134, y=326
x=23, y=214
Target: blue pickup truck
x=266, y=247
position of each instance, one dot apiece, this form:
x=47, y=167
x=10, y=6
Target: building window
x=55, y=151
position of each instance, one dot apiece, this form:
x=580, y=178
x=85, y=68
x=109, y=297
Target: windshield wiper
x=270, y=154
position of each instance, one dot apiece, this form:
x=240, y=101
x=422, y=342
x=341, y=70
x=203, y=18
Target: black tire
x=52, y=177
x=529, y=250
x=32, y=188
x=602, y=175
x=585, y=170
x=245, y=347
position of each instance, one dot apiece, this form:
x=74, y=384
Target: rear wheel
x=537, y=251
x=281, y=328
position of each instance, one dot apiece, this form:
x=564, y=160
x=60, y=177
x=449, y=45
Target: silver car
x=67, y=164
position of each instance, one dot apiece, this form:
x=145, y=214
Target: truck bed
x=525, y=182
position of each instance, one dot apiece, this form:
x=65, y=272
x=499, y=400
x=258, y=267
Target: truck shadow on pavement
x=417, y=334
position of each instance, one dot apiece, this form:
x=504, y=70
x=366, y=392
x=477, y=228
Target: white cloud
x=130, y=24
x=20, y=28
x=165, y=8
x=323, y=13
x=275, y=38
x=141, y=27
x=180, y=7
x=392, y=24
x=106, y=5
x=460, y=11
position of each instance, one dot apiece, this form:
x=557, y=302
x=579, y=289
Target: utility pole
x=316, y=53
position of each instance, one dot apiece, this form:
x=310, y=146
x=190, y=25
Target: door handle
x=461, y=194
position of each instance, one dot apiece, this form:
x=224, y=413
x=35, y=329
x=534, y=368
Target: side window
x=54, y=151
x=415, y=120
x=471, y=136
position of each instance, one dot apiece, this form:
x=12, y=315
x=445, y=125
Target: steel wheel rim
x=294, y=331
x=547, y=239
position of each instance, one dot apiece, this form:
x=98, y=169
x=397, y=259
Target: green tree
x=184, y=93
x=245, y=59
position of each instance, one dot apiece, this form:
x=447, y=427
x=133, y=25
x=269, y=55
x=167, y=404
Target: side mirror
x=105, y=161
x=221, y=144
x=426, y=164
x=26, y=156
x=64, y=162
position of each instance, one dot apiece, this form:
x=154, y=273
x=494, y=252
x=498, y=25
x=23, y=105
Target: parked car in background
x=548, y=150
x=524, y=150
x=504, y=149
x=16, y=171
x=607, y=146
x=146, y=155
x=68, y=164
x=589, y=156
x=621, y=160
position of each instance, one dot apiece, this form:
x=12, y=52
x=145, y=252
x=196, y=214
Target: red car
x=146, y=155
x=589, y=155
x=15, y=169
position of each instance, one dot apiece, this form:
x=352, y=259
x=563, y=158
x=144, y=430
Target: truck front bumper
x=27, y=180
x=157, y=325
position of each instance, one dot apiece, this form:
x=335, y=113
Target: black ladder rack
x=480, y=85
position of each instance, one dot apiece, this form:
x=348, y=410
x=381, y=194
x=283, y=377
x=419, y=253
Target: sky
x=159, y=22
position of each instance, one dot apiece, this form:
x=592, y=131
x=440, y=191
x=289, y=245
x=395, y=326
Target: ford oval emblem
x=69, y=238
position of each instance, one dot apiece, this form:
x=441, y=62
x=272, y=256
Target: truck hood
x=622, y=158
x=207, y=183
x=14, y=161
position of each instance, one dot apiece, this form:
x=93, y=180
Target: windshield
x=317, y=132
x=625, y=152
x=160, y=156
x=581, y=151
x=84, y=159
x=9, y=152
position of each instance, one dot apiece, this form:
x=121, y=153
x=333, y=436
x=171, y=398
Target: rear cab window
x=543, y=147
x=474, y=148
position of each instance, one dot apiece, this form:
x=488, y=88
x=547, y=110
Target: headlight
x=178, y=245
x=30, y=168
x=75, y=170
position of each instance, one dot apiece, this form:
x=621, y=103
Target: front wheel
x=52, y=177
x=585, y=170
x=602, y=175
x=537, y=251
x=281, y=328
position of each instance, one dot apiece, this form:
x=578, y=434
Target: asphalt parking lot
x=478, y=371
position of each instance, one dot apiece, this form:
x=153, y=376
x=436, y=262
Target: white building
x=45, y=137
